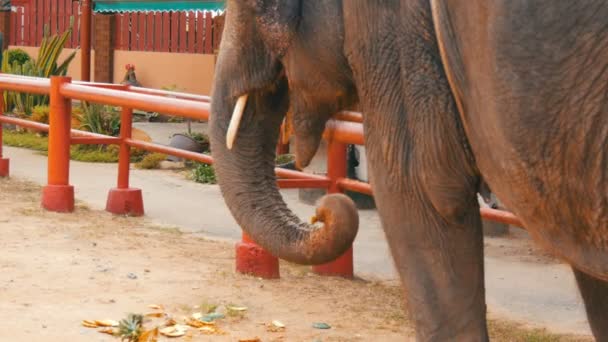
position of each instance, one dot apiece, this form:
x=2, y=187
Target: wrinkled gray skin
x=512, y=91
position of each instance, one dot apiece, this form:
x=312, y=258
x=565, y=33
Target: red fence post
x=254, y=260
x=58, y=195
x=124, y=200
x=336, y=169
x=4, y=162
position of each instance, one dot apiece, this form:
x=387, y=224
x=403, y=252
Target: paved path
x=541, y=294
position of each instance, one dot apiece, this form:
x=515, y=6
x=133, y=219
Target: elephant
x=453, y=93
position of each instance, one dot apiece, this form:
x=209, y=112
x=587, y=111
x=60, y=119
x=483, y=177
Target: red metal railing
x=58, y=195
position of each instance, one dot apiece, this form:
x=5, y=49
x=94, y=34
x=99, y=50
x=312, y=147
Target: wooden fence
x=185, y=32
x=30, y=17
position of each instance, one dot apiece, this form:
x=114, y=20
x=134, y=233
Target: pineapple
x=130, y=328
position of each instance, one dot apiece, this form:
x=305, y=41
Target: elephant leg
x=423, y=174
x=439, y=257
x=595, y=296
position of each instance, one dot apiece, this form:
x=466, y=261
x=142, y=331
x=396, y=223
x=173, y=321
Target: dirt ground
x=60, y=269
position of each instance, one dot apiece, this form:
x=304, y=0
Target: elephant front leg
x=425, y=185
x=438, y=252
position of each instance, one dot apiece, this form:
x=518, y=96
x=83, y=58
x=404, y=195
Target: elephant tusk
x=235, y=121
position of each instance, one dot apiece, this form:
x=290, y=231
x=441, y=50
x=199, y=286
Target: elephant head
x=265, y=66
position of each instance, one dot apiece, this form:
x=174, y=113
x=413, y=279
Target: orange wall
x=73, y=69
x=191, y=73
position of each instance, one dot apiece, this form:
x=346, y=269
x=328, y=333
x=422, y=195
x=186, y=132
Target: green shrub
x=284, y=159
x=93, y=154
x=203, y=173
x=151, y=161
x=41, y=114
x=99, y=119
x=17, y=56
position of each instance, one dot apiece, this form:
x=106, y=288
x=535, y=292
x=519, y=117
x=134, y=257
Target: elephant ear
x=277, y=22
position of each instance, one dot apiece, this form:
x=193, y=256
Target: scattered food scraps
x=108, y=331
x=321, y=325
x=275, y=326
x=212, y=317
x=176, y=330
x=107, y=323
x=211, y=330
x=155, y=314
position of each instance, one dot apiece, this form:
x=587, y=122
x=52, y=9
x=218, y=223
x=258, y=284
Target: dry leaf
x=155, y=314
x=155, y=307
x=149, y=336
x=107, y=323
x=195, y=323
x=89, y=324
x=211, y=330
x=278, y=324
x=275, y=326
x=108, y=331
x=174, y=330
x=169, y=322
x=255, y=339
x=237, y=308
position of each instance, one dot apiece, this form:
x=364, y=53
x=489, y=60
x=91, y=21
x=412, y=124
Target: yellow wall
x=191, y=73
x=73, y=69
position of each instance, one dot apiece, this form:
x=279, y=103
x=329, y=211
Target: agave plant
x=45, y=65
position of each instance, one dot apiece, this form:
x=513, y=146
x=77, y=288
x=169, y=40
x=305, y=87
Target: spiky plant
x=45, y=65
x=130, y=328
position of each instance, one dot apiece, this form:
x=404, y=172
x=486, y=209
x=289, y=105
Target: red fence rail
x=184, y=32
x=58, y=195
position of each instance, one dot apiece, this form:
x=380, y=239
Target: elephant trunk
x=247, y=180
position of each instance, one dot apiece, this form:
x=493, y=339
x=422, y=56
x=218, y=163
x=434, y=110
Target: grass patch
x=84, y=153
x=151, y=161
x=203, y=173
x=509, y=331
x=26, y=140
x=93, y=154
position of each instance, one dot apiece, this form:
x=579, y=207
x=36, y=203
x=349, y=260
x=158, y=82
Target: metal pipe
x=185, y=108
x=59, y=134
x=344, y=132
x=354, y=185
x=303, y=183
x=80, y=140
x=85, y=40
x=124, y=154
x=159, y=92
x=349, y=116
x=25, y=85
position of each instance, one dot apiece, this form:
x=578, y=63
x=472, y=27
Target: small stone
x=146, y=270
x=131, y=275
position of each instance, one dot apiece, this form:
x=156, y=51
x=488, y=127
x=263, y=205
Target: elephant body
x=452, y=93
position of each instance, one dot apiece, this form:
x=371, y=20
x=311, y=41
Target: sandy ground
x=59, y=269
